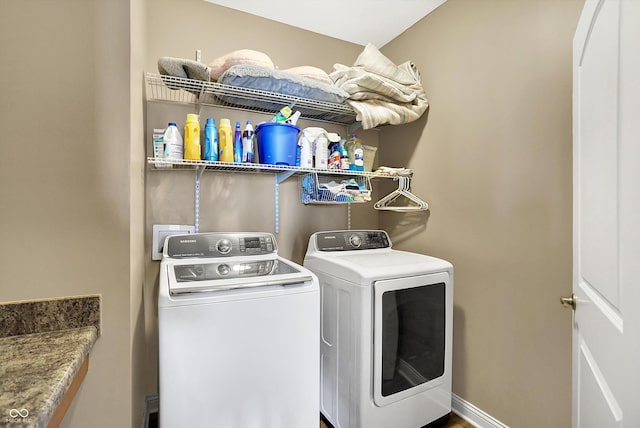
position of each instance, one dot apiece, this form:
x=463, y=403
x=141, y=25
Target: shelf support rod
x=279, y=178
x=196, y=209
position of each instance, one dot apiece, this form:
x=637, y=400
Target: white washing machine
x=386, y=331
x=238, y=334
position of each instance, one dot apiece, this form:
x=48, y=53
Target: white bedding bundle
x=380, y=91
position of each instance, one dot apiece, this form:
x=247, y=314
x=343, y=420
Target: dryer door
x=412, y=335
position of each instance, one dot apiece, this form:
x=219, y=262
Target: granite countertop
x=43, y=345
x=36, y=371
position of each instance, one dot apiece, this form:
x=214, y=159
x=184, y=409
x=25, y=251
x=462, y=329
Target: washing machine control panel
x=347, y=240
x=217, y=244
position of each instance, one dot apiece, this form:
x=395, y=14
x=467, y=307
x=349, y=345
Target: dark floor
x=454, y=421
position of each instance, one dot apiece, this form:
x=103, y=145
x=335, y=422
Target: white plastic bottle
x=306, y=145
x=356, y=153
x=173, y=146
x=321, y=152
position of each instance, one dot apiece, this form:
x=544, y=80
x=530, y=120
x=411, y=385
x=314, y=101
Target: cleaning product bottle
x=192, y=137
x=158, y=145
x=225, y=141
x=173, y=147
x=305, y=144
x=334, y=156
x=282, y=115
x=321, y=151
x=356, y=153
x=344, y=155
x=210, y=140
x=247, y=143
x=237, y=144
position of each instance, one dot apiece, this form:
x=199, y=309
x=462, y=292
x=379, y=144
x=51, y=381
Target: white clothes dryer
x=238, y=334
x=386, y=331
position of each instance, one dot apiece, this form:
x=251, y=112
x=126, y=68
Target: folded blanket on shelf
x=380, y=91
x=185, y=68
x=405, y=172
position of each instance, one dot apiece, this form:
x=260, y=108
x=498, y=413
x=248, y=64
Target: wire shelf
x=160, y=164
x=319, y=188
x=188, y=91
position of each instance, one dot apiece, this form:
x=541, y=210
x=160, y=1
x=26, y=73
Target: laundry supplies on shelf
x=277, y=143
x=210, y=140
x=327, y=190
x=173, y=145
x=248, y=143
x=192, y=150
x=225, y=141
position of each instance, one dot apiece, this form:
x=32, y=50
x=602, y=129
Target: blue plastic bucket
x=277, y=143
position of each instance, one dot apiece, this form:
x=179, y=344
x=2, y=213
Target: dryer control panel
x=217, y=244
x=348, y=240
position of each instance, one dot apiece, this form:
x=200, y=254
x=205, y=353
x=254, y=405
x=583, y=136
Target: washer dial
x=224, y=246
x=355, y=240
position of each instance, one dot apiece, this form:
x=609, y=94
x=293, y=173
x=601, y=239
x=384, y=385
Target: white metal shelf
x=281, y=173
x=181, y=164
x=198, y=92
x=176, y=90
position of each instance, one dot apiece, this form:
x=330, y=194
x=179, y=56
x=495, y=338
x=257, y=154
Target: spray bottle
x=237, y=144
x=247, y=143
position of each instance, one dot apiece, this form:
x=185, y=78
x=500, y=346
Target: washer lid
x=364, y=267
x=189, y=277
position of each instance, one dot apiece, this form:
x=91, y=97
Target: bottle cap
x=210, y=121
x=171, y=124
x=225, y=122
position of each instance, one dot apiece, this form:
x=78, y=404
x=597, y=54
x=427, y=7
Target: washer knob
x=224, y=246
x=224, y=269
x=355, y=241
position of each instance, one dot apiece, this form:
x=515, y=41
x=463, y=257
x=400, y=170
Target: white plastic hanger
x=417, y=204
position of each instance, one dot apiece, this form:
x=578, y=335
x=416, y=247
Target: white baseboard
x=473, y=415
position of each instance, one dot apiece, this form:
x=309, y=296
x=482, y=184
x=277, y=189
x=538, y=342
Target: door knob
x=569, y=302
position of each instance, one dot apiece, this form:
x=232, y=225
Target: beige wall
x=232, y=202
x=65, y=177
x=136, y=211
x=494, y=162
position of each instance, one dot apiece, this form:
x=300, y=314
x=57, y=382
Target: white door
x=606, y=273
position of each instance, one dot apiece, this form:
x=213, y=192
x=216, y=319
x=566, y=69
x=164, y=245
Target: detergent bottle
x=192, y=138
x=225, y=141
x=173, y=146
x=210, y=140
x=356, y=153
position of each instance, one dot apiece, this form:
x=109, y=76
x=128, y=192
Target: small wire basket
x=327, y=189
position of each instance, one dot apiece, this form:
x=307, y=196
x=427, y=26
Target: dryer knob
x=224, y=269
x=355, y=241
x=224, y=246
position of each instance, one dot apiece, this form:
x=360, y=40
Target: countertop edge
x=60, y=389
x=72, y=346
